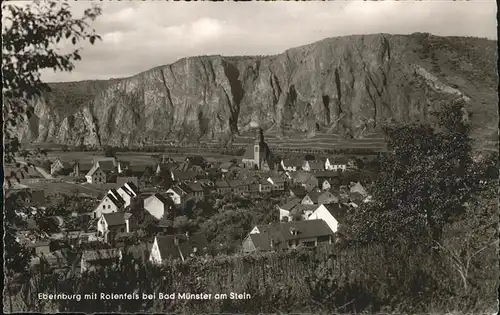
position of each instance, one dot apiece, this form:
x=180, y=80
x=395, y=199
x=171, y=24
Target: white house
x=336, y=164
x=278, y=183
x=96, y=175
x=332, y=214
x=291, y=165
x=313, y=166
x=128, y=191
x=177, y=194
x=112, y=202
x=157, y=205
x=110, y=224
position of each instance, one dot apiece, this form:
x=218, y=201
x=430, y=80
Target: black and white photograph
x=260, y=157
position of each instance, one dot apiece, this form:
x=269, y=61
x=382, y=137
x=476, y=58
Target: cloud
x=137, y=36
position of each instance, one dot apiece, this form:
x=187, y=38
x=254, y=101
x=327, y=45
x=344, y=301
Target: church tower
x=259, y=146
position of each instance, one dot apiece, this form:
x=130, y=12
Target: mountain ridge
x=344, y=85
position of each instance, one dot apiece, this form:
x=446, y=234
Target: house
x=178, y=194
x=287, y=235
x=177, y=247
x=96, y=175
x=122, y=166
x=358, y=188
x=222, y=187
x=287, y=207
x=165, y=168
x=291, y=165
x=33, y=196
x=277, y=182
x=112, y=202
x=265, y=186
x=196, y=160
x=195, y=190
x=332, y=214
x=138, y=253
x=105, y=159
x=305, y=179
x=60, y=167
x=352, y=163
x=184, y=176
x=227, y=166
x=106, y=166
x=297, y=191
x=157, y=205
x=93, y=259
x=319, y=197
x=313, y=166
x=121, y=180
x=128, y=191
x=238, y=186
x=80, y=169
x=110, y=224
x=336, y=164
x=258, y=155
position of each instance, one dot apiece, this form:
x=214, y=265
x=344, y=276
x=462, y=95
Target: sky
x=137, y=36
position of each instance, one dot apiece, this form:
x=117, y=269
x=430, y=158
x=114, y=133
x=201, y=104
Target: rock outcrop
x=346, y=85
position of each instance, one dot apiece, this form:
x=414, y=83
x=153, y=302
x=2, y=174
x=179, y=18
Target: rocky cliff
x=345, y=85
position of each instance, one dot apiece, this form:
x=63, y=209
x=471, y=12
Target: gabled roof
x=292, y=162
x=277, y=180
x=194, y=187
x=281, y=232
x=337, y=210
x=115, y=218
x=227, y=165
x=261, y=241
x=121, y=180
x=83, y=166
x=166, y=166
x=358, y=188
x=169, y=250
x=106, y=166
x=115, y=198
x=236, y=183
x=301, y=176
x=264, y=182
x=299, y=191
x=184, y=175
x=158, y=196
x=92, y=170
x=314, y=195
x=100, y=254
x=338, y=160
x=178, y=190
x=315, y=165
x=290, y=204
x=326, y=174
x=222, y=184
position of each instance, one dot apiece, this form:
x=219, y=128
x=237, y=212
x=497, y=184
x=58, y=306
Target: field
x=70, y=188
x=321, y=140
x=135, y=158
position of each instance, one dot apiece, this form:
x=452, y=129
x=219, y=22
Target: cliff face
x=346, y=85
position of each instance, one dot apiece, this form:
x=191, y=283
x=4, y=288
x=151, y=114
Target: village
x=313, y=196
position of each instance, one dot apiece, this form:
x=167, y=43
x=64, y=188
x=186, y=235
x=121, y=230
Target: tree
x=424, y=182
x=31, y=38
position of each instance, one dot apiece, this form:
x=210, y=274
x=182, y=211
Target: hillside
x=343, y=87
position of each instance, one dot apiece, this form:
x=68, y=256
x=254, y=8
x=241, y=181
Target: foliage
x=425, y=181
x=31, y=36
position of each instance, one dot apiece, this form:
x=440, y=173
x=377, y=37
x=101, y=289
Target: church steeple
x=259, y=136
